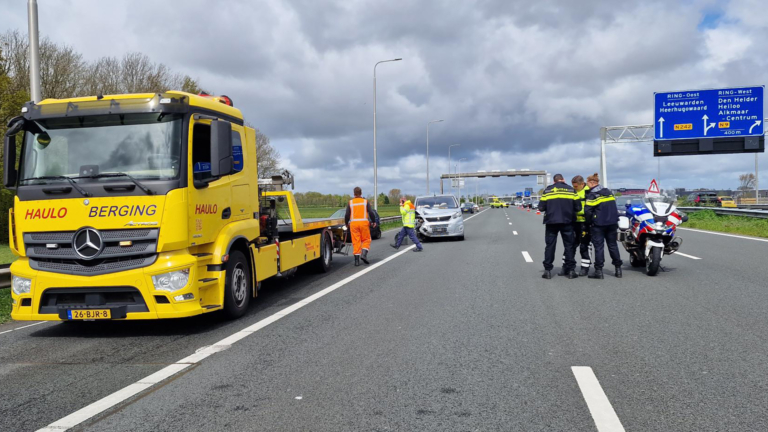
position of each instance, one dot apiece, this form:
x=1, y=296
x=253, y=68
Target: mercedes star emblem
x=87, y=243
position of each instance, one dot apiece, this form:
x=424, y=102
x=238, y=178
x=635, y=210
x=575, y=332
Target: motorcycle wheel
x=654, y=262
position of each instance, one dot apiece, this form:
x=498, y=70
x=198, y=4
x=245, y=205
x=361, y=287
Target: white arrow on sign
x=706, y=128
x=757, y=123
x=661, y=127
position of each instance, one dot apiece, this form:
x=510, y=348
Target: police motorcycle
x=648, y=229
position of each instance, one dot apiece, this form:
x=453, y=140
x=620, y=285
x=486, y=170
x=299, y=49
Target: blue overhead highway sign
x=718, y=113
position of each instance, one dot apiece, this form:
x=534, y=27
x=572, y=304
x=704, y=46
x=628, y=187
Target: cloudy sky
x=520, y=84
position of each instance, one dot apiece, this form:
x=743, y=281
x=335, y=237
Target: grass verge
x=6, y=256
x=5, y=305
x=708, y=220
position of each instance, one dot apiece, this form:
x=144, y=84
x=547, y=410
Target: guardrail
x=390, y=219
x=5, y=278
x=761, y=214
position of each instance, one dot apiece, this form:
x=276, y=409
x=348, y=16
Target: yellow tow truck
x=147, y=206
x=497, y=203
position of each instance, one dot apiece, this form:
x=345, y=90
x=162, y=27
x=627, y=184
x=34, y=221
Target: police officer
x=560, y=204
x=602, y=213
x=581, y=228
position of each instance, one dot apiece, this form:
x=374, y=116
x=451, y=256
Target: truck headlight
x=21, y=285
x=456, y=215
x=172, y=281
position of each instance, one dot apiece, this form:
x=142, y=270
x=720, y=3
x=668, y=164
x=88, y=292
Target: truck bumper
x=130, y=295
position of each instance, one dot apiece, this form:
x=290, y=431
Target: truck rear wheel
x=323, y=263
x=237, y=285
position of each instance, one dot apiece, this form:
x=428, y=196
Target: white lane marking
x=724, y=234
x=125, y=393
x=600, y=407
x=527, y=257
x=514, y=232
x=23, y=327
x=474, y=216
x=687, y=256
x=510, y=223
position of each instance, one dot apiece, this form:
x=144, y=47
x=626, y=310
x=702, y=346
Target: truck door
x=210, y=200
x=242, y=207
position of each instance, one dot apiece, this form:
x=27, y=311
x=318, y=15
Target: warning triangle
x=654, y=188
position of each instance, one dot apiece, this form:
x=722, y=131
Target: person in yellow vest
x=408, y=212
x=581, y=228
x=359, y=218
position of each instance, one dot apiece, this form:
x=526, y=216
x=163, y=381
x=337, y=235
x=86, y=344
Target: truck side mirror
x=9, y=152
x=222, y=162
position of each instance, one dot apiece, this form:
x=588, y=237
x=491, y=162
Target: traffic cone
x=529, y=210
x=538, y=212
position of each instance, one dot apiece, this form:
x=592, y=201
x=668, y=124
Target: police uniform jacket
x=601, y=207
x=560, y=203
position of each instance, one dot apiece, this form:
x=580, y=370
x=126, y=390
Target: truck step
x=206, y=280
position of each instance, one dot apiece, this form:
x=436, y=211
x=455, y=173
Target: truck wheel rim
x=327, y=253
x=239, y=285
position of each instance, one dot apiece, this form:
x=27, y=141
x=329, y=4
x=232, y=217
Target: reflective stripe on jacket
x=583, y=199
x=560, y=203
x=601, y=207
x=359, y=207
x=408, y=212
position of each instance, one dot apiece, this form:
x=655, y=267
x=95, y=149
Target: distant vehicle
x=482, y=171
x=527, y=202
x=475, y=207
x=525, y=169
x=375, y=231
x=439, y=216
x=704, y=198
x=625, y=201
x=467, y=208
x=534, y=203
x=506, y=203
x=727, y=202
x=518, y=202
x=511, y=170
x=495, y=171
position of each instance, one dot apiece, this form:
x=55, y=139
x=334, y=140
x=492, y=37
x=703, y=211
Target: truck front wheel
x=237, y=288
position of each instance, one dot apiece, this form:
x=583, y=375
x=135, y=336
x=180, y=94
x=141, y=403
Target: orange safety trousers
x=361, y=236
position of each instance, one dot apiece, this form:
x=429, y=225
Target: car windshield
x=443, y=202
x=145, y=146
x=339, y=213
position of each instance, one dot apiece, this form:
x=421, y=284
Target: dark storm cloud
x=513, y=80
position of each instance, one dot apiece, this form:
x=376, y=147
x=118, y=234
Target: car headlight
x=172, y=281
x=21, y=285
x=456, y=215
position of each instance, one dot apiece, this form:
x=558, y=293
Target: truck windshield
x=145, y=146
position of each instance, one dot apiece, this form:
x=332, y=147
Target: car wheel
x=237, y=285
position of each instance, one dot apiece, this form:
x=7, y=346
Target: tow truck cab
x=144, y=206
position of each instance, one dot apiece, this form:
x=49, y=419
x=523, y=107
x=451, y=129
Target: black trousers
x=550, y=238
x=602, y=235
x=583, y=239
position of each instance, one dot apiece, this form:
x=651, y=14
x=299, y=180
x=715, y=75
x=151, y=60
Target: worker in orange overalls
x=359, y=218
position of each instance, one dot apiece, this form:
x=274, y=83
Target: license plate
x=440, y=230
x=89, y=314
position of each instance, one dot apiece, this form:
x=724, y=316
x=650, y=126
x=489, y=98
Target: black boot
x=364, y=257
x=547, y=274
x=584, y=271
x=395, y=246
x=618, y=271
x=598, y=274
x=357, y=260
x=572, y=274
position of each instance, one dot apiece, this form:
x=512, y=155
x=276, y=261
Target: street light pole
x=449, y=163
x=433, y=121
x=34, y=52
x=375, y=174
x=457, y=175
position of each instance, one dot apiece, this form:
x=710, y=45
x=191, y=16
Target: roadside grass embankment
x=709, y=221
x=5, y=305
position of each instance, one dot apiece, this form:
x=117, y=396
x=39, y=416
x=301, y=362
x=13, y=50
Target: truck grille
x=53, y=252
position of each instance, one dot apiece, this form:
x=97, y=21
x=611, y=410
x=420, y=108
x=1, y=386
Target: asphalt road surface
x=465, y=336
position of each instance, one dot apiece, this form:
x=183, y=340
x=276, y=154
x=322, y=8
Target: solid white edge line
x=599, y=406
x=26, y=326
x=687, y=256
x=527, y=257
x=125, y=393
x=724, y=234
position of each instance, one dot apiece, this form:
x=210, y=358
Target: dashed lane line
x=514, y=232
x=23, y=327
x=599, y=406
x=687, y=256
x=527, y=257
